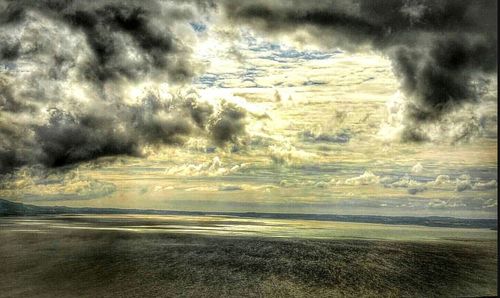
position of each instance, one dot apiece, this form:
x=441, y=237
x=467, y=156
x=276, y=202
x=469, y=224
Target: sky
x=345, y=107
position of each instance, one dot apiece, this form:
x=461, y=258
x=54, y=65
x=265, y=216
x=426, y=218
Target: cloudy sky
x=348, y=107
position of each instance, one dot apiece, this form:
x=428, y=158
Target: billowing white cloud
x=215, y=167
x=287, y=154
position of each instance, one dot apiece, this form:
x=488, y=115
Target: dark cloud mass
x=114, y=31
x=115, y=129
x=64, y=94
x=228, y=124
x=69, y=139
x=444, y=52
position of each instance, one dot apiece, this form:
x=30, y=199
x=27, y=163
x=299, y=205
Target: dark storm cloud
x=9, y=51
x=200, y=112
x=71, y=137
x=228, y=124
x=112, y=30
x=68, y=66
x=115, y=41
x=9, y=159
x=68, y=139
x=443, y=51
x=15, y=146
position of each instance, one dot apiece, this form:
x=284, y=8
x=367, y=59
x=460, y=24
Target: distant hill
x=8, y=208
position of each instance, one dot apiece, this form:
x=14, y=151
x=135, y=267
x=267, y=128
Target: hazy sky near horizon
x=364, y=107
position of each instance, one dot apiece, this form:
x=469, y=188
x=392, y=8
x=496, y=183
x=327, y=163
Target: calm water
x=232, y=226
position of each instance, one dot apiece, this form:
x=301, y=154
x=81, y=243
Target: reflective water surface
x=237, y=226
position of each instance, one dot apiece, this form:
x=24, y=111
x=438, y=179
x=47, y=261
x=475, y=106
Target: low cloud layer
x=35, y=185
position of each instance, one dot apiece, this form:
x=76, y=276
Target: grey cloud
x=15, y=146
x=449, y=74
x=230, y=188
x=412, y=186
x=72, y=137
x=113, y=30
x=462, y=125
x=228, y=124
x=492, y=184
x=68, y=139
x=341, y=138
x=200, y=112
